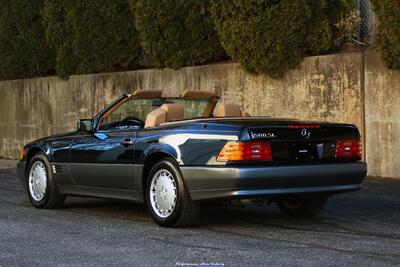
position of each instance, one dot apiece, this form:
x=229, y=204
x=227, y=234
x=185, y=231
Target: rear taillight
x=245, y=151
x=349, y=149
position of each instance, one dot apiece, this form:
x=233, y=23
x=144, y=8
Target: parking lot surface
x=360, y=228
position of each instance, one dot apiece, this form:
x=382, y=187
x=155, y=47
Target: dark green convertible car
x=173, y=153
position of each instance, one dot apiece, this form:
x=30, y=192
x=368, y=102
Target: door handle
x=127, y=142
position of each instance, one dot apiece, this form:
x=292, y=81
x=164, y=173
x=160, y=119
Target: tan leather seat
x=174, y=112
x=156, y=117
x=229, y=110
x=165, y=113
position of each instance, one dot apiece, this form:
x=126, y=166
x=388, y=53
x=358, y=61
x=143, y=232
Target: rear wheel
x=302, y=207
x=167, y=199
x=40, y=184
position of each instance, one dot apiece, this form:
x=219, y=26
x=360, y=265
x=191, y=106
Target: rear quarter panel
x=196, y=144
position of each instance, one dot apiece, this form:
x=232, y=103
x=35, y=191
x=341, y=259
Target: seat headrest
x=227, y=110
x=165, y=113
x=154, y=118
x=174, y=111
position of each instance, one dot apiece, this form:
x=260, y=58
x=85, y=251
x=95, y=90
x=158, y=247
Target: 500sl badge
x=262, y=135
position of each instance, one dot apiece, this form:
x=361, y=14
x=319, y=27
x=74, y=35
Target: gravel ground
x=360, y=228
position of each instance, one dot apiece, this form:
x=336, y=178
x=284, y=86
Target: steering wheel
x=131, y=121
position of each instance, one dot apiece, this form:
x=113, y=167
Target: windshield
x=138, y=108
x=133, y=112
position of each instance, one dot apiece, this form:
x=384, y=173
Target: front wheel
x=167, y=199
x=302, y=207
x=40, y=184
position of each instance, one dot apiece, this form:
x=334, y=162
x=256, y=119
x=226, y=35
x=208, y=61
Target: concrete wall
x=323, y=88
x=382, y=118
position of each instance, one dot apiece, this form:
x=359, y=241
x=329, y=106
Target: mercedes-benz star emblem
x=305, y=133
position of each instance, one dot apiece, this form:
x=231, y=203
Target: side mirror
x=85, y=125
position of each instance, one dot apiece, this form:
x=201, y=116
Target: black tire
x=185, y=212
x=304, y=208
x=52, y=198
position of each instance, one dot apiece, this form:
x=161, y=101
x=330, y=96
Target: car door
x=103, y=159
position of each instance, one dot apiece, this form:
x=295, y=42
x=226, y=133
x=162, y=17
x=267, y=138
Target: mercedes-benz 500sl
x=173, y=153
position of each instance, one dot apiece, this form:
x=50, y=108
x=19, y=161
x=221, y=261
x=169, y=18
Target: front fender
x=32, y=149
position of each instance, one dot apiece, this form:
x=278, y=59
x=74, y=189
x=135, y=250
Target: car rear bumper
x=206, y=183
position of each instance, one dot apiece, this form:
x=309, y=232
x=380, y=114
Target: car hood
x=56, y=136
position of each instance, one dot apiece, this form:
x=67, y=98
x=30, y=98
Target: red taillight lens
x=302, y=126
x=245, y=151
x=348, y=149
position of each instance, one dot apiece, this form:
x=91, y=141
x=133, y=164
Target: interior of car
x=146, y=109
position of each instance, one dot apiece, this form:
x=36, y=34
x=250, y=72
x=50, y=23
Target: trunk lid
x=293, y=140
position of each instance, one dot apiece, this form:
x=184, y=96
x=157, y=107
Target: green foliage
x=91, y=36
x=272, y=36
x=342, y=17
x=326, y=28
x=387, y=39
x=265, y=36
x=176, y=33
x=318, y=37
x=23, y=50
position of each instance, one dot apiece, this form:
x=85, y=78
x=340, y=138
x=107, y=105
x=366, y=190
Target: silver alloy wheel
x=163, y=193
x=37, y=181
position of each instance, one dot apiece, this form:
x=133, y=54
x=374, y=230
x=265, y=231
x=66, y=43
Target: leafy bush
x=318, y=37
x=343, y=20
x=91, y=36
x=176, y=33
x=387, y=39
x=332, y=23
x=23, y=50
x=268, y=36
x=273, y=36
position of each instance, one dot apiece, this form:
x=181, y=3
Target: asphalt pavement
x=359, y=229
